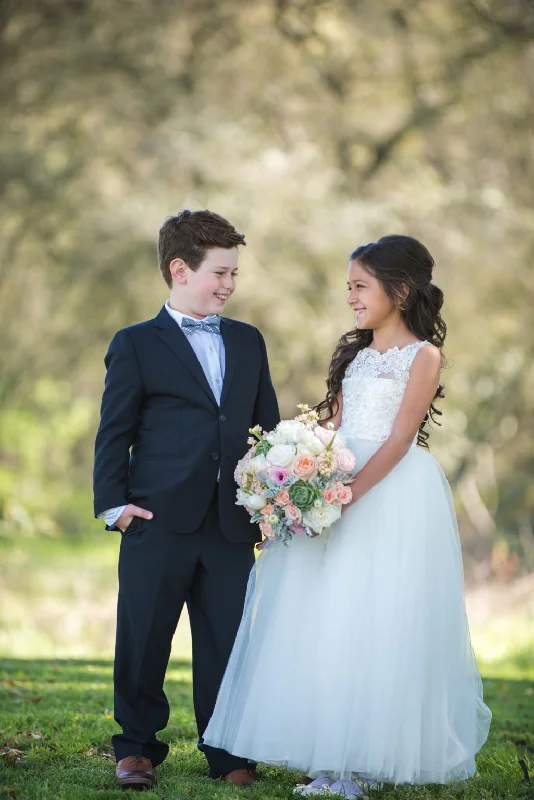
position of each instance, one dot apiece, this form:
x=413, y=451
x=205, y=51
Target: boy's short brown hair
x=189, y=235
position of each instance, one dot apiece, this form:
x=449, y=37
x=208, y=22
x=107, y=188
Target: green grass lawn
x=56, y=721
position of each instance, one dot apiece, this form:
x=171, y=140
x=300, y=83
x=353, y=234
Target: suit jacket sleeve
x=266, y=411
x=121, y=406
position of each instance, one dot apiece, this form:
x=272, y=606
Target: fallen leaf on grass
x=10, y=741
x=34, y=734
x=96, y=751
x=11, y=755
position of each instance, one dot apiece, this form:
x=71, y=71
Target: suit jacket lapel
x=173, y=336
x=230, y=335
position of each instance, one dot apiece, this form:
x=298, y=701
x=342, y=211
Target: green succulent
x=302, y=495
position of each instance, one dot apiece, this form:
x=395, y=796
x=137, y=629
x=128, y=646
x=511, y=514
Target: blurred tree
x=314, y=126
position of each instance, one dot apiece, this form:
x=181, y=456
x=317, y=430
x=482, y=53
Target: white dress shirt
x=209, y=349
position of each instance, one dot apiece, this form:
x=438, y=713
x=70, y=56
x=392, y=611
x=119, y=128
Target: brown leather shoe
x=241, y=777
x=135, y=771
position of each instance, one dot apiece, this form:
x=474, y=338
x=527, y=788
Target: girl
x=353, y=661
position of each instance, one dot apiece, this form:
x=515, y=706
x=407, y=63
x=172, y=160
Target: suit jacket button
x=215, y=456
x=222, y=418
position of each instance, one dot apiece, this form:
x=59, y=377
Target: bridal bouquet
x=292, y=480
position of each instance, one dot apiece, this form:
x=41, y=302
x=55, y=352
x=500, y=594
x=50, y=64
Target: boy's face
x=205, y=291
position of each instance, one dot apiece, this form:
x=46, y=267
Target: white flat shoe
x=319, y=786
x=347, y=789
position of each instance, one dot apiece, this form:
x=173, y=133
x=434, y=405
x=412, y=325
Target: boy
x=181, y=392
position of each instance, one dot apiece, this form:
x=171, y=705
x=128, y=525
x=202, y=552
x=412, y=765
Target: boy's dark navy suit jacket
x=163, y=438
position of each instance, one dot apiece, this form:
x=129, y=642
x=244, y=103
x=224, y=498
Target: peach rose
x=266, y=529
x=267, y=510
x=344, y=495
x=345, y=459
x=330, y=496
x=293, y=513
x=282, y=497
x=304, y=467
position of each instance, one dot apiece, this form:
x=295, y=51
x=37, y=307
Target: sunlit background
x=313, y=126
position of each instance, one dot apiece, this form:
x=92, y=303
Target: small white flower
x=256, y=501
x=242, y=498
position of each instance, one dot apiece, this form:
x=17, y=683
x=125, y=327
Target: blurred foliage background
x=314, y=126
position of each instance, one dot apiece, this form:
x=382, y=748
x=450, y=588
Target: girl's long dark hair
x=404, y=268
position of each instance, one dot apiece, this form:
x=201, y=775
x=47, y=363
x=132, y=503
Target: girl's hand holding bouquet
x=293, y=479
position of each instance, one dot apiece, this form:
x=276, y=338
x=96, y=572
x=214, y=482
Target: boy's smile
x=206, y=290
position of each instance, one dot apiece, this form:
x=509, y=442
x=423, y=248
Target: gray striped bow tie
x=208, y=324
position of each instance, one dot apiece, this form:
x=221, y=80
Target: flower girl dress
x=353, y=657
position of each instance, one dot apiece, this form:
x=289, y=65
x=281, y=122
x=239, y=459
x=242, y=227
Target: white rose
x=259, y=463
x=281, y=455
x=321, y=517
x=288, y=429
x=276, y=438
x=313, y=445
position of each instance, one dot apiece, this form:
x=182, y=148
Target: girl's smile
x=367, y=298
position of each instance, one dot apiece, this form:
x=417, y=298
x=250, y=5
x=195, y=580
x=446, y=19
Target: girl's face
x=367, y=298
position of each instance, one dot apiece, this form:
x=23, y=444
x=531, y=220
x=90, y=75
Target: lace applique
x=373, y=388
x=394, y=363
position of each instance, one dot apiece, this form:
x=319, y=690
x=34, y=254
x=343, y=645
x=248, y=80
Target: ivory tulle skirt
x=353, y=655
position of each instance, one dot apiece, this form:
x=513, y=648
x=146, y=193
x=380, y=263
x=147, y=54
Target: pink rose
x=325, y=436
x=267, y=510
x=293, y=513
x=304, y=467
x=345, y=459
x=282, y=497
x=330, y=495
x=266, y=529
x=344, y=495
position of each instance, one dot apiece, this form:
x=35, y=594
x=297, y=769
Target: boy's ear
x=177, y=269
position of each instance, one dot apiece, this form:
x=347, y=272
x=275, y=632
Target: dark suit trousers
x=158, y=572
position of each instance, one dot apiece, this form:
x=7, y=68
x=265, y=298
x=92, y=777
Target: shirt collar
x=178, y=316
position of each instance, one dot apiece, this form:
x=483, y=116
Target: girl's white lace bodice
x=373, y=388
